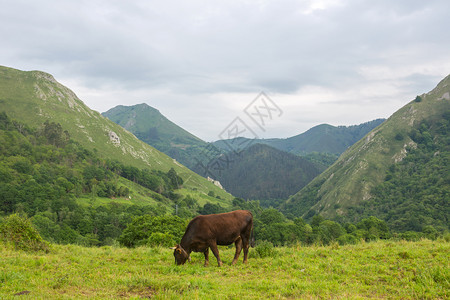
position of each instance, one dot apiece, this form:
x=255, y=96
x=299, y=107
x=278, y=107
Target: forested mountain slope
x=262, y=172
x=46, y=175
x=35, y=97
x=399, y=171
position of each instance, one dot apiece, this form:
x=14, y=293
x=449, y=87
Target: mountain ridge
x=350, y=181
x=323, y=138
x=35, y=96
x=153, y=128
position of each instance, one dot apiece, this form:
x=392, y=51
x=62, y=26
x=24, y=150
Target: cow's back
x=224, y=228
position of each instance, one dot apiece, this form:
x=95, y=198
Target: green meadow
x=382, y=269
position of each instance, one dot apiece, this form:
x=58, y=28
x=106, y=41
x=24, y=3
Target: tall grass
x=383, y=269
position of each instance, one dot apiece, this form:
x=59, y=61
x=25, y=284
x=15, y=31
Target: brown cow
x=208, y=231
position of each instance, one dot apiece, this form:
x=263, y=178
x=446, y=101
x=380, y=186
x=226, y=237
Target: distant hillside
x=151, y=127
x=399, y=171
x=35, y=97
x=323, y=138
x=262, y=172
x=46, y=175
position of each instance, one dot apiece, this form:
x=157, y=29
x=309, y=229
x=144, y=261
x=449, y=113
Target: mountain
x=151, y=127
x=262, y=172
x=34, y=97
x=399, y=171
x=323, y=138
x=259, y=172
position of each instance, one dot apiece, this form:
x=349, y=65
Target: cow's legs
x=215, y=251
x=206, y=257
x=238, y=245
x=245, y=246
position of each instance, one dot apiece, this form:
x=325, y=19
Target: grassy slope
x=151, y=127
x=350, y=179
x=384, y=269
x=34, y=97
x=142, y=118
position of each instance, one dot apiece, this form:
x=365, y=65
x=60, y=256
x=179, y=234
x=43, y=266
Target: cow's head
x=180, y=255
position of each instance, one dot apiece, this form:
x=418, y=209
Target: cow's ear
x=173, y=248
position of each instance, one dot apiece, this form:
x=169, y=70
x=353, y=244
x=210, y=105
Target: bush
x=160, y=239
x=347, y=239
x=447, y=236
x=410, y=236
x=149, y=230
x=430, y=232
x=399, y=137
x=18, y=232
x=265, y=249
x=373, y=229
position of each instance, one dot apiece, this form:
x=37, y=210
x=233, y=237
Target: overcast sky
x=204, y=63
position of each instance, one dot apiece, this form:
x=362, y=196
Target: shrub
x=447, y=236
x=159, y=239
x=374, y=228
x=399, y=136
x=430, y=232
x=18, y=232
x=347, y=239
x=265, y=249
x=410, y=236
x=149, y=230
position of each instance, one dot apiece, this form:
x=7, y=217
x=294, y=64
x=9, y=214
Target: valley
x=224, y=150
x=82, y=178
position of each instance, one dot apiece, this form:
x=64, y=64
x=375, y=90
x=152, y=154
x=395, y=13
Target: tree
x=175, y=181
x=328, y=231
x=5, y=122
x=270, y=216
x=54, y=134
x=374, y=228
x=211, y=208
x=140, y=230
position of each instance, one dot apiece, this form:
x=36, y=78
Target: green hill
x=151, y=127
x=34, y=97
x=262, y=172
x=399, y=171
x=323, y=138
x=75, y=196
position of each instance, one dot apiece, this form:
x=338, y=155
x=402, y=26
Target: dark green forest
x=416, y=191
x=262, y=172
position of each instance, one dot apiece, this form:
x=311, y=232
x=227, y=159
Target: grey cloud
x=197, y=48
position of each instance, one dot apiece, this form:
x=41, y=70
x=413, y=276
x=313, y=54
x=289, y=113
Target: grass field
x=384, y=269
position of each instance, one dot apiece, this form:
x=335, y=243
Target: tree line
x=270, y=226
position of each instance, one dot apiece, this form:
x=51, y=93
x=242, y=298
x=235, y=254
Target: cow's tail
x=252, y=238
